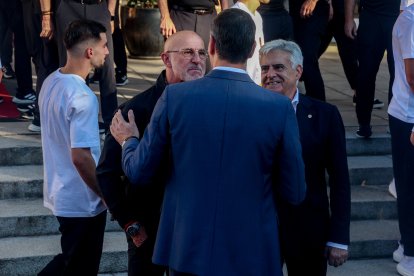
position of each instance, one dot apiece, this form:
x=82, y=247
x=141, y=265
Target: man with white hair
x=314, y=231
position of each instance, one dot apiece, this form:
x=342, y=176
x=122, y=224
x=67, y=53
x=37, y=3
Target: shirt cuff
x=337, y=245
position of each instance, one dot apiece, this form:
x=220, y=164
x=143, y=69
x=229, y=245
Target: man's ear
x=166, y=59
x=212, y=46
x=88, y=52
x=299, y=71
x=252, y=50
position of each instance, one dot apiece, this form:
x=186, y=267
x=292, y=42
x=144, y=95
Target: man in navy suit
x=314, y=231
x=232, y=146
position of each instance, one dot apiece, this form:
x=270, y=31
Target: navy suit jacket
x=232, y=143
x=318, y=219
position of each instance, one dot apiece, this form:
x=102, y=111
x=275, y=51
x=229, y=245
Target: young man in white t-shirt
x=250, y=6
x=401, y=120
x=71, y=149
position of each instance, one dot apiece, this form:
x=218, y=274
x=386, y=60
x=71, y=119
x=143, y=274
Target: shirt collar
x=295, y=100
x=231, y=69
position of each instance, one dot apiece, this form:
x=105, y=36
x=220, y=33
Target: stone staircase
x=29, y=235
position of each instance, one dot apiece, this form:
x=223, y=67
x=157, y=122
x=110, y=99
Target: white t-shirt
x=402, y=103
x=69, y=119
x=253, y=64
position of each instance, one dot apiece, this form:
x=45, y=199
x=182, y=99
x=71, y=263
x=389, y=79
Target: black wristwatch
x=133, y=229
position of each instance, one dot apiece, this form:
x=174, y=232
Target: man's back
x=229, y=139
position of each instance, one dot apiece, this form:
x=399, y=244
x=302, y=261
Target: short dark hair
x=234, y=32
x=79, y=31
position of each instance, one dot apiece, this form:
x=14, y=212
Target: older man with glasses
x=184, y=57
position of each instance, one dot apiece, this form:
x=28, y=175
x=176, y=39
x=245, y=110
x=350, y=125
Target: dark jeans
x=346, y=47
x=11, y=18
x=308, y=34
x=277, y=25
x=81, y=243
x=374, y=38
x=403, y=165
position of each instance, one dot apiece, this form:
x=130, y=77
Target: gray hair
x=296, y=57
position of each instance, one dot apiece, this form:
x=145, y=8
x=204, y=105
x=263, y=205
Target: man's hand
x=167, y=27
x=350, y=28
x=307, y=8
x=139, y=239
x=336, y=256
x=412, y=138
x=47, y=27
x=121, y=129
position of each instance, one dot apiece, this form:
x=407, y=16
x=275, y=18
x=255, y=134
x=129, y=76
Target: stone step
x=378, y=144
x=368, y=267
x=370, y=170
x=21, y=181
x=24, y=149
x=373, y=238
x=372, y=202
x=20, y=150
x=28, y=255
x=27, y=180
x=28, y=217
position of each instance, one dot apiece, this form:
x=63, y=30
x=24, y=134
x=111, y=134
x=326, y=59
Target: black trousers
x=44, y=52
x=374, y=38
x=7, y=48
x=277, y=25
x=120, y=57
x=68, y=11
x=308, y=34
x=81, y=243
x=140, y=258
x=303, y=236
x=347, y=47
x=11, y=18
x=403, y=166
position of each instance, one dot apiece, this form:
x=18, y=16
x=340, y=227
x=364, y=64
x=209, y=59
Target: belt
x=193, y=10
x=88, y=2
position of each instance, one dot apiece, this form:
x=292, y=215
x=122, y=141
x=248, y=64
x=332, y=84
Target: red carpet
x=8, y=109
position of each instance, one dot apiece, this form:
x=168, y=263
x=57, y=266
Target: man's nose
x=196, y=58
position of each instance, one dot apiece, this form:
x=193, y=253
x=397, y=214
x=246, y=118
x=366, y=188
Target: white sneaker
x=391, y=188
x=406, y=266
x=398, y=254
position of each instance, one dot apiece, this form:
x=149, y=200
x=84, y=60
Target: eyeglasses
x=276, y=67
x=189, y=53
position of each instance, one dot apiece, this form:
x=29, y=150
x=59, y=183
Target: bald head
x=184, y=57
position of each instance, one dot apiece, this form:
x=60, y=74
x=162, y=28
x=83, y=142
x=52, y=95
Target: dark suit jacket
x=317, y=220
x=231, y=143
x=125, y=203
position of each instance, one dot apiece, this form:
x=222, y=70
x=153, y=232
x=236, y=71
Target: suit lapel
x=304, y=115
